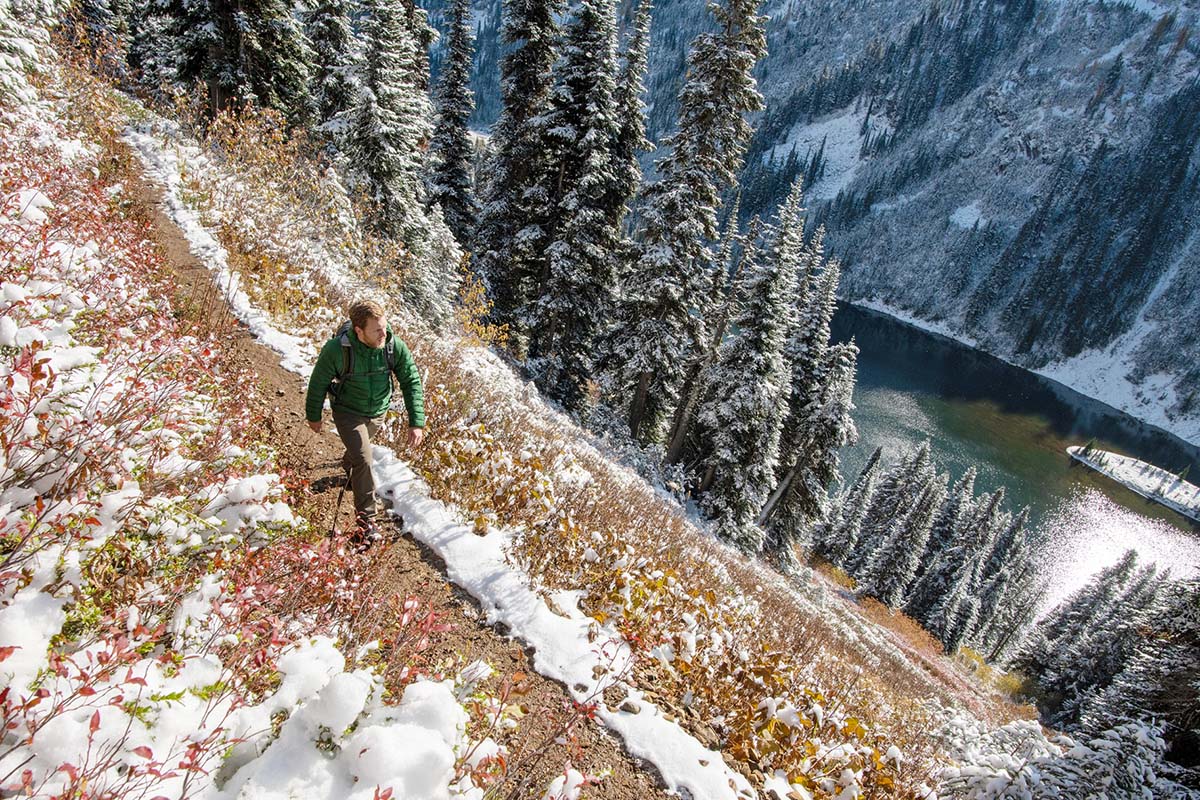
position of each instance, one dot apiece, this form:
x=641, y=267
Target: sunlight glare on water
x=1089, y=532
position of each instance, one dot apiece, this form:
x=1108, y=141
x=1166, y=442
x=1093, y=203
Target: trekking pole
x=338, y=507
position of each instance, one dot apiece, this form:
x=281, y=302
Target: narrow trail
x=408, y=567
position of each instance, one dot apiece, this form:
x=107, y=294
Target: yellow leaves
x=852, y=727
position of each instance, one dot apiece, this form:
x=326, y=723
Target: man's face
x=374, y=333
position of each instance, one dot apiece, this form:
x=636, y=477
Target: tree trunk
x=683, y=415
x=777, y=496
x=637, y=407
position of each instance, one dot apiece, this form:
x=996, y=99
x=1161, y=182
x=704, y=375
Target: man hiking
x=355, y=368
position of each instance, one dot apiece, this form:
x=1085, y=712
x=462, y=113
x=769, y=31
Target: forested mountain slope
x=1023, y=173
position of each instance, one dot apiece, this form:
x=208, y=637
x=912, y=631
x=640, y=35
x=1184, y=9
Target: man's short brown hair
x=363, y=311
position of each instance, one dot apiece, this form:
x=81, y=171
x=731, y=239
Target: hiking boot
x=365, y=533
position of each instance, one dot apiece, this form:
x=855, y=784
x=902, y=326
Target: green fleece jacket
x=368, y=390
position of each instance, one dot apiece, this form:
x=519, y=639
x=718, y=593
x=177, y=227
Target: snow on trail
x=563, y=647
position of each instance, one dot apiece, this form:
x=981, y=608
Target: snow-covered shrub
x=1018, y=761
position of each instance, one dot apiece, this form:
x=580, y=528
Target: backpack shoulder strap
x=343, y=336
x=390, y=352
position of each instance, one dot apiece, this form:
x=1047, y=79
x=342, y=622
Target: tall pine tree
x=450, y=184
x=508, y=250
x=631, y=141
x=837, y=537
x=660, y=331
x=390, y=125
x=246, y=52
x=891, y=571
x=333, y=83
x=818, y=423
x=745, y=400
x=584, y=205
x=1161, y=679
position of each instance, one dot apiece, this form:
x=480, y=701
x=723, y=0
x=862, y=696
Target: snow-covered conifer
x=722, y=307
x=581, y=219
x=333, y=83
x=946, y=600
x=898, y=490
x=1161, y=680
x=801, y=492
x=1072, y=618
x=745, y=401
x=151, y=55
x=508, y=249
x=660, y=332
x=955, y=628
x=890, y=572
x=945, y=525
x=450, y=184
x=631, y=141
x=249, y=52
x=836, y=537
x=1093, y=660
x=819, y=421
x=390, y=125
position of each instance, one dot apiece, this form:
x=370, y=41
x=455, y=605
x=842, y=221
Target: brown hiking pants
x=356, y=433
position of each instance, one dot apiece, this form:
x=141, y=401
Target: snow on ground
x=968, y=216
x=565, y=648
x=116, y=712
x=842, y=145
x=1144, y=478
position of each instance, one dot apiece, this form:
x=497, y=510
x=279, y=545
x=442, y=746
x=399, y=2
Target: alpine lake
x=1014, y=426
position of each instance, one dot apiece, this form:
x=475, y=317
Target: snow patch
x=968, y=216
x=842, y=146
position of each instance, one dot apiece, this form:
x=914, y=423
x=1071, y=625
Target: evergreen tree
x=248, y=52
x=801, y=495
x=945, y=600
x=660, y=334
x=1008, y=628
x=897, y=492
x=334, y=86
x=723, y=304
x=631, y=141
x=390, y=125
x=582, y=218
x=818, y=423
x=837, y=537
x=1093, y=661
x=451, y=185
x=150, y=54
x=946, y=524
x=956, y=627
x=1072, y=618
x=1161, y=679
x=1009, y=544
x=816, y=301
x=890, y=572
x=510, y=263
x=743, y=410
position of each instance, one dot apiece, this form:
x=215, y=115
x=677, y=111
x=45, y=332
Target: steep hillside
x=1022, y=173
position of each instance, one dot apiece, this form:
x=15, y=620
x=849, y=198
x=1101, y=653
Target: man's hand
x=315, y=426
x=415, y=437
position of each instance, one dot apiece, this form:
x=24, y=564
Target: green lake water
x=1014, y=426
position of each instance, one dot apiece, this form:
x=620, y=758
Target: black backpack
x=343, y=336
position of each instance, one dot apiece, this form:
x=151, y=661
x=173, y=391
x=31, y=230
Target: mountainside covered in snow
x=1023, y=174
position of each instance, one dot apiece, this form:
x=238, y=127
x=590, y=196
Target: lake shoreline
x=1183, y=498
x=1165, y=426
